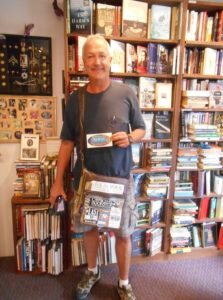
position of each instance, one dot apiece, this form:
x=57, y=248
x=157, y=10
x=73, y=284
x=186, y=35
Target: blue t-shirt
x=115, y=109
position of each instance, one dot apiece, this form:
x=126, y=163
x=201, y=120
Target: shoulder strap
x=81, y=102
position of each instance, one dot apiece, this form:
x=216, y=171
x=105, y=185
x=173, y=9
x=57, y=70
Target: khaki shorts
x=129, y=216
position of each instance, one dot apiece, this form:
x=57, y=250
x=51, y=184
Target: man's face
x=97, y=60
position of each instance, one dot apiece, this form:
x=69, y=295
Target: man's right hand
x=55, y=191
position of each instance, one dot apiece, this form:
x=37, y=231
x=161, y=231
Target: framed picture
x=29, y=147
x=26, y=65
x=22, y=114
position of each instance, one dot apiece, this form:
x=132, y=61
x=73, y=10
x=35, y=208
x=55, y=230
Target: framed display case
x=27, y=114
x=25, y=65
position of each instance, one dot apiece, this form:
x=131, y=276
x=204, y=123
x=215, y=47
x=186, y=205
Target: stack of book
x=201, y=132
x=28, y=182
x=210, y=156
x=183, y=189
x=180, y=240
x=184, y=211
x=187, y=158
x=195, y=99
x=155, y=185
x=159, y=159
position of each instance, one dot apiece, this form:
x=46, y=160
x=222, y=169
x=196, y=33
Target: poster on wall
x=27, y=114
x=25, y=65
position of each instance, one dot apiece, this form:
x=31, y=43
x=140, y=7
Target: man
x=109, y=107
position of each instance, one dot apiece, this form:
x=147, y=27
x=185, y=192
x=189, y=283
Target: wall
x=13, y=17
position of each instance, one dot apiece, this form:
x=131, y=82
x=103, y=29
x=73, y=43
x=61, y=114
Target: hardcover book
x=131, y=58
x=216, y=94
x=79, y=64
x=151, y=57
x=146, y=92
x=141, y=66
x=163, y=95
x=162, y=125
x=118, y=56
x=81, y=16
x=105, y=19
x=160, y=22
x=134, y=18
x=209, y=234
x=32, y=181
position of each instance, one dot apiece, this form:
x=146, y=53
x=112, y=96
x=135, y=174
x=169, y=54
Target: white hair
x=96, y=37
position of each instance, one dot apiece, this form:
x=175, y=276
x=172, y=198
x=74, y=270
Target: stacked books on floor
x=180, y=240
x=187, y=158
x=184, y=211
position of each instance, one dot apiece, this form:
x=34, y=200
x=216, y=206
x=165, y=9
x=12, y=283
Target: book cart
x=166, y=190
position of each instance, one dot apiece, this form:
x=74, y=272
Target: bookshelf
x=176, y=45
x=40, y=237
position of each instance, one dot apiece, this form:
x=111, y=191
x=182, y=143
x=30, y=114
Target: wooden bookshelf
x=17, y=203
x=181, y=43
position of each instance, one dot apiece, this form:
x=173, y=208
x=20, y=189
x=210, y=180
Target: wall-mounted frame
x=27, y=114
x=25, y=65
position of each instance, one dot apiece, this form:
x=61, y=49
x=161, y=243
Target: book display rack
x=172, y=59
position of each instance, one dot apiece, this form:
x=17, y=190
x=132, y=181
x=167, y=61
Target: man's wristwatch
x=130, y=138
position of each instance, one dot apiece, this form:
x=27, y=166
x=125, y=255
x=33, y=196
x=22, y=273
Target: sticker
x=99, y=140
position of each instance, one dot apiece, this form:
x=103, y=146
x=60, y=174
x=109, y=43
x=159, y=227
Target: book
x=196, y=236
x=31, y=181
x=160, y=22
x=203, y=208
x=216, y=94
x=29, y=148
x=148, y=119
x=79, y=42
x=162, y=64
x=81, y=16
x=209, y=66
x=143, y=209
x=218, y=121
x=131, y=58
x=162, y=124
x=155, y=244
x=141, y=64
x=138, y=242
x=151, y=57
x=134, y=18
x=220, y=238
x=105, y=22
x=118, y=56
x=163, y=95
x=156, y=211
x=146, y=92
x=209, y=234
